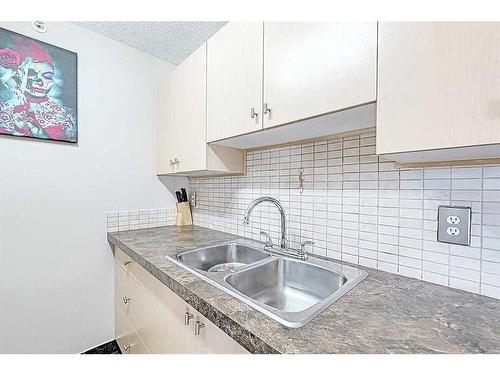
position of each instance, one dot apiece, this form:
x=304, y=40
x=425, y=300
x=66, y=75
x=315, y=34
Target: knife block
x=184, y=214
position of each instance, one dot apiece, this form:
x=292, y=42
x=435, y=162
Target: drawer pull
x=253, y=114
x=198, y=327
x=187, y=318
x=127, y=299
x=267, y=109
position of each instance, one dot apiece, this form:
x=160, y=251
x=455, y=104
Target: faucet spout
x=277, y=203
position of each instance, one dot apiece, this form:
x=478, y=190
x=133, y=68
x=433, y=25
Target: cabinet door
x=174, y=336
x=123, y=330
x=439, y=85
x=212, y=340
x=314, y=68
x=182, y=116
x=234, y=74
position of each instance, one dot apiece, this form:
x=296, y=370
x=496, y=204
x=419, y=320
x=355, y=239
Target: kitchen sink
x=220, y=258
x=288, y=290
x=286, y=285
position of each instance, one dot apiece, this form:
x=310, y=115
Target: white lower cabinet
x=150, y=318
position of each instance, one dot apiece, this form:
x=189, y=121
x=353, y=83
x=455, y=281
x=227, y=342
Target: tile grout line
x=359, y=192
x=378, y=211
x=422, y=228
x=481, y=237
x=399, y=218
x=449, y=247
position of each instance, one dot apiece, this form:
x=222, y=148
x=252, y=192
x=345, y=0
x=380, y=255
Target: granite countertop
x=385, y=313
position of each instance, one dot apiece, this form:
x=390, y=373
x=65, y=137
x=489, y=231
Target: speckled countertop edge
x=427, y=318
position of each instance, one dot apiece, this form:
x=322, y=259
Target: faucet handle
x=303, y=245
x=269, y=240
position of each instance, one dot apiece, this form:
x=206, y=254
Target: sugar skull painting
x=38, y=89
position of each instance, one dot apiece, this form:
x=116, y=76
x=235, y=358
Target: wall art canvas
x=38, y=89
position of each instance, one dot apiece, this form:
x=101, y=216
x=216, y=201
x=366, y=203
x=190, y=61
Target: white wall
x=56, y=267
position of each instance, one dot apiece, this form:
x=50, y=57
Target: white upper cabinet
x=234, y=74
x=313, y=68
x=264, y=75
x=182, y=127
x=182, y=142
x=439, y=87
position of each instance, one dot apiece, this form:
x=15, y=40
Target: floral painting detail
x=9, y=59
x=38, y=89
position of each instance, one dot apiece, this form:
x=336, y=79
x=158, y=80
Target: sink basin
x=286, y=285
x=221, y=258
x=288, y=290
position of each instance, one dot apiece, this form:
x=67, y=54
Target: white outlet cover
x=454, y=225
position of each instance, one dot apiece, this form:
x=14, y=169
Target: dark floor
x=107, y=348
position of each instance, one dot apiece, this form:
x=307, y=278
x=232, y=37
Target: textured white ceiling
x=169, y=41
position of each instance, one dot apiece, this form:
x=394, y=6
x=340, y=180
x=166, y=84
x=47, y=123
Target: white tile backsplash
x=118, y=221
x=362, y=210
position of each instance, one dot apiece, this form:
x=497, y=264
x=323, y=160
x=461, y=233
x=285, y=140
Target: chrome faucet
x=246, y=219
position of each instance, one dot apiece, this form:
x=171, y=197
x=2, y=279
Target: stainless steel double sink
x=291, y=291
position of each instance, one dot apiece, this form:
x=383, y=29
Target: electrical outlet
x=454, y=231
x=452, y=219
x=454, y=224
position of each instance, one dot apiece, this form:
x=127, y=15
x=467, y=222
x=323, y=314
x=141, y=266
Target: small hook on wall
x=301, y=180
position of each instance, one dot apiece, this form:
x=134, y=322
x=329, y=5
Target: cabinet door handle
x=267, y=109
x=126, y=262
x=198, y=327
x=253, y=114
x=127, y=347
x=187, y=318
x=127, y=299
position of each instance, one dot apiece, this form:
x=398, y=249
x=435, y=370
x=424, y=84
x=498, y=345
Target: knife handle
x=184, y=195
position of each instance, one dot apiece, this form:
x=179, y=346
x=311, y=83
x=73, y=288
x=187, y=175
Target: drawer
x=122, y=259
x=127, y=339
x=124, y=288
x=142, y=276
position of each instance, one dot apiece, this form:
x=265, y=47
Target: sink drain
x=223, y=267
